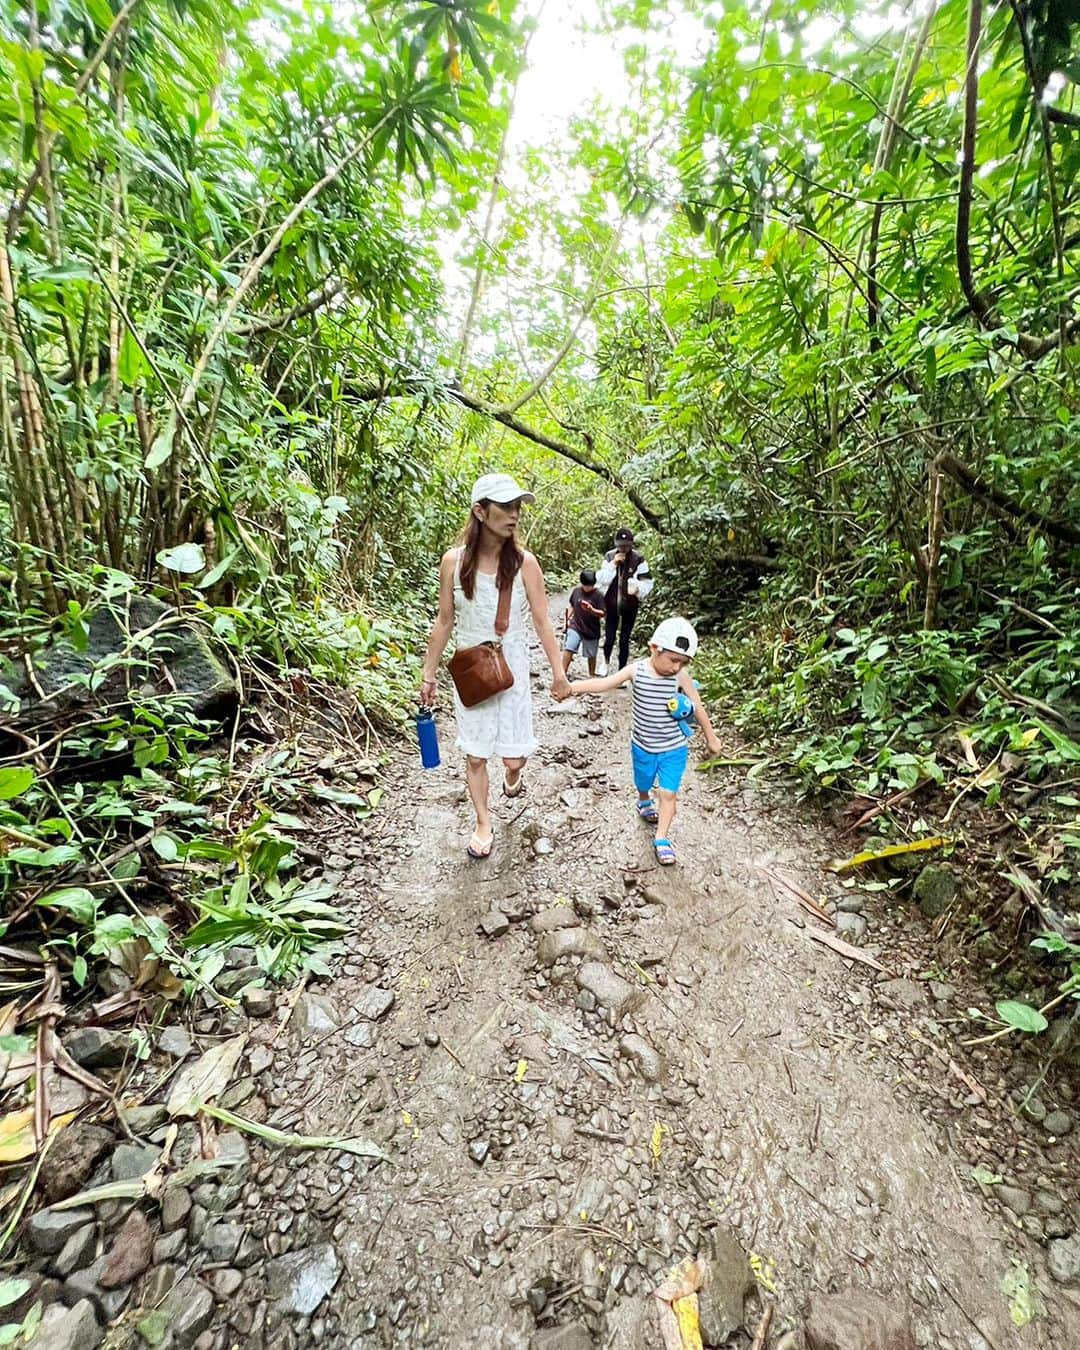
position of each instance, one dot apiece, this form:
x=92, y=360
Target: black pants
x=621, y=622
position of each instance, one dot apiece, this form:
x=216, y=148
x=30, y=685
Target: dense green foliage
x=276, y=281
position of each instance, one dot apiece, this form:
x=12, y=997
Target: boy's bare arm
x=600, y=684
x=686, y=684
x=593, y=610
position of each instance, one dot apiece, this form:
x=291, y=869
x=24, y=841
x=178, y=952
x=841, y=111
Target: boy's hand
x=713, y=745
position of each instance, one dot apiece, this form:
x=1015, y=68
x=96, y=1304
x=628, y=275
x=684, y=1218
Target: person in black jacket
x=626, y=574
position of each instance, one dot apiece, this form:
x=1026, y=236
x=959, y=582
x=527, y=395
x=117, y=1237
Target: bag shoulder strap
x=502, y=613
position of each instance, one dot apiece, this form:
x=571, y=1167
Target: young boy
x=583, y=615
x=659, y=748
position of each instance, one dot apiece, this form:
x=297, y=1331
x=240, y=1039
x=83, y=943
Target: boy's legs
x=669, y=773
x=590, y=647
x=567, y=657
x=666, y=804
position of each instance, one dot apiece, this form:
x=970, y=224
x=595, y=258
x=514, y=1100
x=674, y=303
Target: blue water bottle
x=428, y=739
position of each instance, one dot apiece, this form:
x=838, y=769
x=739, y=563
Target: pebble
x=1058, y=1123
x=1012, y=1197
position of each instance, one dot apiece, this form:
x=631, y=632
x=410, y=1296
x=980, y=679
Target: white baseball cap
x=675, y=635
x=501, y=488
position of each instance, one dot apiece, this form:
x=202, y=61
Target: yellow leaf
x=686, y=1314
x=584, y=1216
x=406, y=1118
x=892, y=851
x=17, y=1133
x=657, y=1142
x=731, y=536
x=764, y=1270
x=521, y=1070
x=1029, y=737
x=455, y=69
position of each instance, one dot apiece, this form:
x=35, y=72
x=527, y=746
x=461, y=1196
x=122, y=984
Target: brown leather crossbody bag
x=481, y=672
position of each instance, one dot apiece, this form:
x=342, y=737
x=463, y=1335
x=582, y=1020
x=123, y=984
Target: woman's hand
x=429, y=693
x=560, y=688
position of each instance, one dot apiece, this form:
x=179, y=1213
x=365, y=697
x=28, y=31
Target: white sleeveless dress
x=502, y=725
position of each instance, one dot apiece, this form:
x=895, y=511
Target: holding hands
x=561, y=688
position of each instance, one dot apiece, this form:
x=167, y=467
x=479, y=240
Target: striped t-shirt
x=654, y=729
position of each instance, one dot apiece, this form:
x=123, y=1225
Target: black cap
x=620, y=535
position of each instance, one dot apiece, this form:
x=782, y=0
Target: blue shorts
x=574, y=642
x=665, y=768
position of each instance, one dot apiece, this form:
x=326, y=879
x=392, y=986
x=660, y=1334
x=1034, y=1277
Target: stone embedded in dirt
x=478, y=1150
x=190, y=1310
x=49, y=1230
x=72, y=1158
x=649, y=1062
x=856, y=1320
x=314, y=1015
x=562, y=942
x=98, y=1047
x=1063, y=1259
x=1046, y=1202
x=363, y=1036
x=432, y=1039
x=109, y=1303
x=259, y=1002
x=175, y=1208
x=260, y=1057
x=940, y=991
x=374, y=1003
x=73, y=1328
x=554, y=917
x=900, y=994
x=935, y=889
x=169, y=1247
x=728, y=1279
x=852, y=928
x=77, y=1252
x=221, y=1241
x=494, y=924
x=1058, y=1123
x=299, y=1281
x=230, y=982
x=1012, y=1197
x=131, y=1252
x=133, y=1160
x=145, y=1119
x=609, y=989
x=574, y=1336
x=175, y=1042
x=543, y=846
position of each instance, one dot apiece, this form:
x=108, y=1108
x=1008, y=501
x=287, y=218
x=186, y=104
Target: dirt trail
x=543, y=1163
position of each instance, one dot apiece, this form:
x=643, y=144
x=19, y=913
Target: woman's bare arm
x=440, y=629
x=536, y=594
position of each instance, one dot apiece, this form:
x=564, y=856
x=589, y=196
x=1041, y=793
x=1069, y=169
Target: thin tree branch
x=423, y=388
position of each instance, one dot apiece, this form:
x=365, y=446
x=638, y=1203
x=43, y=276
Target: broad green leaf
x=14, y=782
x=1021, y=1016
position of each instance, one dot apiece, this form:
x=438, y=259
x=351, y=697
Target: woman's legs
x=513, y=768
x=476, y=779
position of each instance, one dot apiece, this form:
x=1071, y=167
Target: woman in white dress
x=488, y=559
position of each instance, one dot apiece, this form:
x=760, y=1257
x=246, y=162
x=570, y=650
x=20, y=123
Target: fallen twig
x=844, y=948
x=761, y=1336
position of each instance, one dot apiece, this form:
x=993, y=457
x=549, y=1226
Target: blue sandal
x=647, y=810
x=665, y=852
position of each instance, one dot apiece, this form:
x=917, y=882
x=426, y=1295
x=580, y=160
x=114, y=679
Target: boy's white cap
x=501, y=488
x=675, y=635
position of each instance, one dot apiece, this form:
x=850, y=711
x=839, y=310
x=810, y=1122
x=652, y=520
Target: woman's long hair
x=510, y=556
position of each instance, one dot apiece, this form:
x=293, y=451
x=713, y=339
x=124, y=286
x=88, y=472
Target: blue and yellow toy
x=682, y=710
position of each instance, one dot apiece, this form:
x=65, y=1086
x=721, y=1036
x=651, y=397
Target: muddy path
x=584, y=1067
